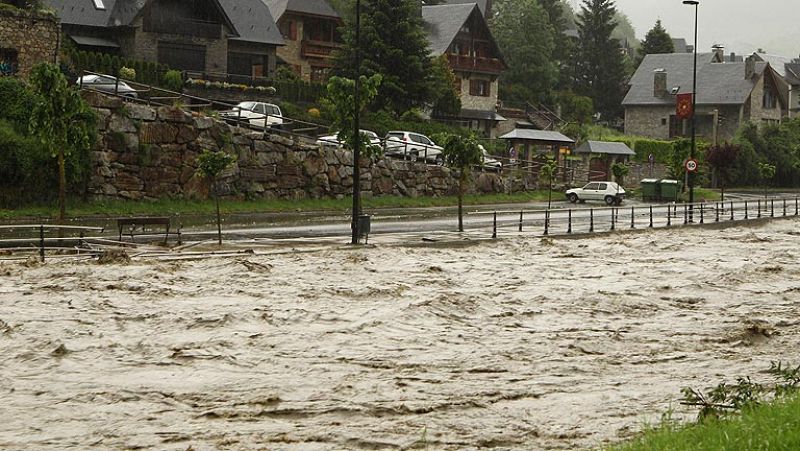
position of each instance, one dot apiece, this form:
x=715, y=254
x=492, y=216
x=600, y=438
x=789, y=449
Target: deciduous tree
x=461, y=153
x=210, y=164
x=61, y=120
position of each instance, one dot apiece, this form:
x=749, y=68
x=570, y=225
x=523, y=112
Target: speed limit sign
x=691, y=165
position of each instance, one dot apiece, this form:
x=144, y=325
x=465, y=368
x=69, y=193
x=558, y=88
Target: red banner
x=683, y=107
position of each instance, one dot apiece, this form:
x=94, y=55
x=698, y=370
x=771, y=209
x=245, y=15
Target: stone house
x=310, y=29
x=207, y=36
x=729, y=94
x=460, y=32
x=27, y=38
x=789, y=69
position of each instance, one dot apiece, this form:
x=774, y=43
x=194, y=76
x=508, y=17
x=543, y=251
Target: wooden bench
x=144, y=222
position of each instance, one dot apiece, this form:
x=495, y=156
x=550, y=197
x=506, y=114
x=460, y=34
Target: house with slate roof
x=729, y=94
x=460, y=32
x=789, y=69
x=212, y=36
x=310, y=29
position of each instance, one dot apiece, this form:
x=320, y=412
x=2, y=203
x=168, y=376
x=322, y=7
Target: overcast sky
x=743, y=26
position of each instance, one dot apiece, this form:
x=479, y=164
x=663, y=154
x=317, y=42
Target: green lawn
x=766, y=428
x=189, y=207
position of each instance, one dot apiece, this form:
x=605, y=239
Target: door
x=598, y=169
x=182, y=56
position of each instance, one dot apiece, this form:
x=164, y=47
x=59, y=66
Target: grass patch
x=174, y=207
x=774, y=426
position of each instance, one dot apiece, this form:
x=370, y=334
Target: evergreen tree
x=557, y=12
x=526, y=39
x=393, y=44
x=600, y=69
x=657, y=40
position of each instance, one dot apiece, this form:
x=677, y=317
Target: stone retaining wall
x=148, y=153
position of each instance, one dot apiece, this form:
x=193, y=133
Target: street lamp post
x=357, y=133
x=694, y=3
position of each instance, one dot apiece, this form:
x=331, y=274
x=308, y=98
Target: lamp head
x=691, y=2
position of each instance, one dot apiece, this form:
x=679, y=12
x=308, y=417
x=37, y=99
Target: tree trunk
x=549, y=193
x=461, y=202
x=62, y=188
x=219, y=217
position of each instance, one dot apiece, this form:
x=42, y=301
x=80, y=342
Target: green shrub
x=127, y=73
x=172, y=80
x=659, y=149
x=17, y=103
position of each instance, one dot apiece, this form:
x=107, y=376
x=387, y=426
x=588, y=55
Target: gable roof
x=253, y=21
x=543, y=136
x=249, y=19
x=443, y=22
x=785, y=67
x=605, y=147
x=482, y=4
x=717, y=83
x=306, y=7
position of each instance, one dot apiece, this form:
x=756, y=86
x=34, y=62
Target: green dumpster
x=651, y=190
x=670, y=190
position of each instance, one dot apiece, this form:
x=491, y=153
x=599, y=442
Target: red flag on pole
x=683, y=107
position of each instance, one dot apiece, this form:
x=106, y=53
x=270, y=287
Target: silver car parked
x=107, y=83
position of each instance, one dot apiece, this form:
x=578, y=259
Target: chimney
x=719, y=53
x=749, y=67
x=660, y=83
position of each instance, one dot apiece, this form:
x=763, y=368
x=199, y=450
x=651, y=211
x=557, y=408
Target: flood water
x=522, y=343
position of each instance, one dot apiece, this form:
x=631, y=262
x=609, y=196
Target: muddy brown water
x=517, y=344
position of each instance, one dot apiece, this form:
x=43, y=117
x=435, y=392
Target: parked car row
x=409, y=146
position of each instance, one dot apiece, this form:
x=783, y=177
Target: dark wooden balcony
x=184, y=27
x=469, y=63
x=318, y=49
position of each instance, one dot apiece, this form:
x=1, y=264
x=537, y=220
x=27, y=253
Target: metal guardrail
x=593, y=220
x=42, y=228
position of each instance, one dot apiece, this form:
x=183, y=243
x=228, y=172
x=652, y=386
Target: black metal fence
x=562, y=221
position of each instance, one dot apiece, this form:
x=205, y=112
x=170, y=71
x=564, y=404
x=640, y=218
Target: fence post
x=41, y=242
x=569, y=221
x=759, y=208
x=520, y=221
x=494, y=226
x=591, y=220
x=716, y=211
x=796, y=206
x=702, y=216
x=732, y=212
x=772, y=208
x=784, y=206
x=613, y=218
x=633, y=222
x=685, y=214
x=746, y=212
x=651, y=215
x=669, y=216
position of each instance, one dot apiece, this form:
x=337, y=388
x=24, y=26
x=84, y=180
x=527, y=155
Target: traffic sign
x=691, y=165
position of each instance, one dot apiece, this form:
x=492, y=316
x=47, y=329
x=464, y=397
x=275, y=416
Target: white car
x=107, y=83
x=489, y=163
x=333, y=141
x=413, y=146
x=259, y=114
x=608, y=192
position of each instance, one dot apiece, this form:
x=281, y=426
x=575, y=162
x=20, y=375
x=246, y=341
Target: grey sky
x=742, y=26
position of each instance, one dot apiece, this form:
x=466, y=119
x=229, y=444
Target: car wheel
x=439, y=160
x=609, y=200
x=573, y=198
x=412, y=157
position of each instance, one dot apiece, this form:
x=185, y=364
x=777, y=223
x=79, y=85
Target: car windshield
x=250, y=106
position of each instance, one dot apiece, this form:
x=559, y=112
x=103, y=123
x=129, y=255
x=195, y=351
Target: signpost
x=691, y=165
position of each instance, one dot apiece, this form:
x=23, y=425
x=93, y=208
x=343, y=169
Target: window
x=769, y=101
x=289, y=29
x=458, y=85
x=663, y=121
x=603, y=187
x=479, y=88
x=8, y=62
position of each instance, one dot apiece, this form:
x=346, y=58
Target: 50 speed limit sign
x=691, y=165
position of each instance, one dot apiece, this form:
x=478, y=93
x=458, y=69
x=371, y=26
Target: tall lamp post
x=694, y=3
x=357, y=134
